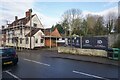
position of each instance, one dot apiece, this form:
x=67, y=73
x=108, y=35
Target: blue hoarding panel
x=101, y=43
x=88, y=42
x=95, y=42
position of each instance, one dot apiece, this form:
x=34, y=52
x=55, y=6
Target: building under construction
x=26, y=32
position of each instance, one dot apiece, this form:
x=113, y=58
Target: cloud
x=59, y=0
x=18, y=1
x=76, y=0
x=102, y=13
x=109, y=4
x=47, y=21
x=9, y=9
x=111, y=0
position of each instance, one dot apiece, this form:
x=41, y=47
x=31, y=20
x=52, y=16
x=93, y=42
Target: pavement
x=101, y=60
x=94, y=59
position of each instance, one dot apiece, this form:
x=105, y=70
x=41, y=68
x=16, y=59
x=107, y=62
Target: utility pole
x=44, y=36
x=7, y=26
x=50, y=38
x=30, y=11
x=71, y=36
x=3, y=37
x=65, y=36
x=22, y=35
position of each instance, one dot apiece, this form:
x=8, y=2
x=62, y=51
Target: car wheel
x=15, y=63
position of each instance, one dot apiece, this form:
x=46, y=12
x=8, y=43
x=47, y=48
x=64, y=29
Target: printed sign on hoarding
x=101, y=42
x=95, y=42
x=88, y=42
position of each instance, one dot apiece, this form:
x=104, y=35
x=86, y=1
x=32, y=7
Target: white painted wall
x=36, y=20
x=38, y=36
x=33, y=43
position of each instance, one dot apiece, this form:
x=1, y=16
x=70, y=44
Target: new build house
x=26, y=32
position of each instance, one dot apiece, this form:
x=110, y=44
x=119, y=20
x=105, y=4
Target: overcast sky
x=50, y=11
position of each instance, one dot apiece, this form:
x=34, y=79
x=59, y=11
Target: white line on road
x=90, y=75
x=13, y=75
x=37, y=62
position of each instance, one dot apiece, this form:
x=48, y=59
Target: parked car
x=9, y=56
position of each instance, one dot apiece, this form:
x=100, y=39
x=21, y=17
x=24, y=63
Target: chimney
x=16, y=18
x=27, y=14
x=3, y=27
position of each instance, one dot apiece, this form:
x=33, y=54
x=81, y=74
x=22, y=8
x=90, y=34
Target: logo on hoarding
x=99, y=41
x=73, y=41
x=77, y=41
x=87, y=41
x=69, y=41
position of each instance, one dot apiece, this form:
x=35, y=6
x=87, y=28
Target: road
x=38, y=64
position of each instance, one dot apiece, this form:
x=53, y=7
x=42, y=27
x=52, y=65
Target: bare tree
x=110, y=21
x=117, y=25
x=91, y=21
x=99, y=28
x=70, y=16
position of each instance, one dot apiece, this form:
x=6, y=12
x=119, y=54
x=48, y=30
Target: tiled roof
x=55, y=33
x=20, y=21
x=33, y=31
x=47, y=31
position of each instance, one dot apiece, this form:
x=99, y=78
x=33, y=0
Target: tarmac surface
x=37, y=64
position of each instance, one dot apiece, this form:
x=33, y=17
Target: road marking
x=37, y=62
x=13, y=75
x=90, y=75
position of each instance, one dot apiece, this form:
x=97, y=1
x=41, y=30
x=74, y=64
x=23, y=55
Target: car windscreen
x=7, y=51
